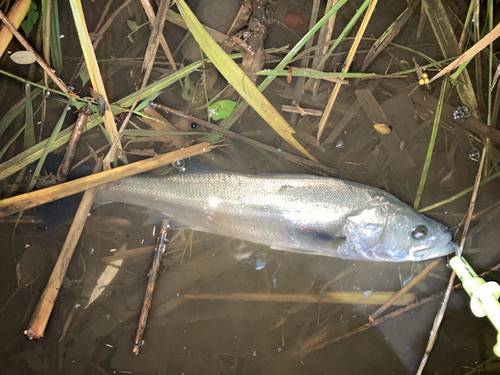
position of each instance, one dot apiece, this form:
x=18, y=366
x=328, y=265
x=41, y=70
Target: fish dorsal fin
x=188, y=166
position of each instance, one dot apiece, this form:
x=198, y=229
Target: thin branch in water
x=315, y=166
x=305, y=349
x=153, y=274
x=405, y=289
x=444, y=304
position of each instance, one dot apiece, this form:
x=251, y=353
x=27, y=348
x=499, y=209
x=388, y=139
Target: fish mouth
x=436, y=251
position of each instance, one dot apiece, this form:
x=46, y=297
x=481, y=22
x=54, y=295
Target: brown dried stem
x=22, y=202
x=41, y=315
x=16, y=15
x=159, y=250
x=305, y=349
x=359, y=298
x=348, y=62
x=63, y=170
x=406, y=288
x=151, y=16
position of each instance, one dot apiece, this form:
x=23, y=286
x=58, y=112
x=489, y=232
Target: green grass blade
x=29, y=132
x=48, y=147
x=159, y=85
x=461, y=194
x=297, y=72
x=445, y=36
x=435, y=127
x=154, y=133
x=55, y=40
x=18, y=133
x=16, y=111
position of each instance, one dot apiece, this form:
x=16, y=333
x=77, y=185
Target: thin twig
x=317, y=167
x=444, y=304
x=159, y=250
x=406, y=288
x=324, y=343
x=63, y=170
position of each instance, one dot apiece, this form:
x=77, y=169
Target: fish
x=305, y=214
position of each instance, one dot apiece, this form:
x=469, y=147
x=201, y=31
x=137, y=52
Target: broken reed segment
x=43, y=310
x=356, y=298
x=302, y=111
x=83, y=117
x=161, y=244
x=26, y=201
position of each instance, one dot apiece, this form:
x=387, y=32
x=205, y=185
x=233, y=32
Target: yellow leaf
x=382, y=128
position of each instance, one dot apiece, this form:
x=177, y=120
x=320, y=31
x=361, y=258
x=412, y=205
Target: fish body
x=299, y=213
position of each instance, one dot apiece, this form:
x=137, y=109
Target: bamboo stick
x=23, y=202
x=41, y=315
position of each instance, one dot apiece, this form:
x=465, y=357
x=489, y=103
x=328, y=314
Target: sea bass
x=299, y=213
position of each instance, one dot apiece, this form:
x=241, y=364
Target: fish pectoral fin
x=317, y=241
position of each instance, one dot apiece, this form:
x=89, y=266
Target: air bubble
x=340, y=144
x=474, y=155
x=179, y=164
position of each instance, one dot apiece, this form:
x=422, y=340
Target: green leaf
x=31, y=18
x=84, y=75
x=131, y=40
x=50, y=142
x=221, y=109
x=55, y=38
x=146, y=101
x=186, y=94
x=132, y=25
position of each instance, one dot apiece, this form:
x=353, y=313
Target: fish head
x=389, y=230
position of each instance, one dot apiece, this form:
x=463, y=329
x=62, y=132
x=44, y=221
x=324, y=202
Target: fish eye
x=419, y=232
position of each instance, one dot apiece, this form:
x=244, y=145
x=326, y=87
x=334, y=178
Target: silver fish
x=299, y=213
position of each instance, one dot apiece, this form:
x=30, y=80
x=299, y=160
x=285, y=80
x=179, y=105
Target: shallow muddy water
x=192, y=329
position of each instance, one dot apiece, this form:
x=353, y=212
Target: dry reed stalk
x=26, y=201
